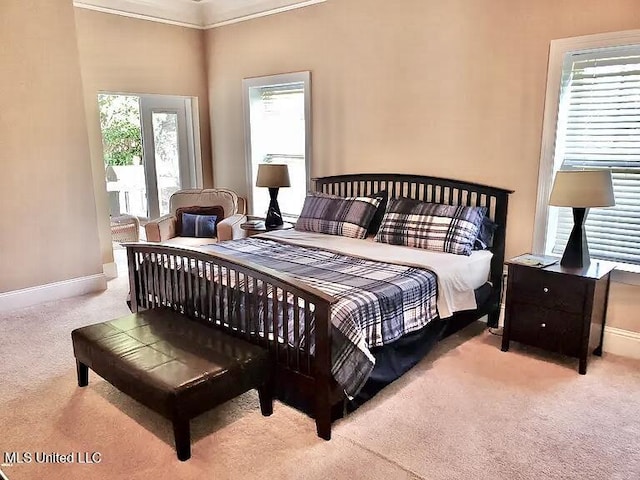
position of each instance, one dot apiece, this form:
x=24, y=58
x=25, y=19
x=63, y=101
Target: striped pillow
x=199, y=226
x=333, y=215
x=432, y=226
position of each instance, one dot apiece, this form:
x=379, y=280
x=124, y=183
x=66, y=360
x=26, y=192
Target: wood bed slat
x=139, y=265
x=173, y=272
x=152, y=281
x=189, y=285
x=164, y=281
x=255, y=308
x=231, y=319
x=265, y=314
x=274, y=320
x=196, y=286
x=160, y=273
x=296, y=329
x=147, y=286
x=237, y=304
x=307, y=335
x=208, y=270
x=215, y=293
x=285, y=323
x=221, y=288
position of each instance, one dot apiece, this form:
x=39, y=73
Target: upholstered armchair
x=225, y=204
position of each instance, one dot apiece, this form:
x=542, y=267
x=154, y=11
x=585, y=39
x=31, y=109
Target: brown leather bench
x=173, y=365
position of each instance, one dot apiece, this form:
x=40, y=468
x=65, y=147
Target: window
x=277, y=126
x=596, y=106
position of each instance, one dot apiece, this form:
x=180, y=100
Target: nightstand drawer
x=539, y=287
x=545, y=328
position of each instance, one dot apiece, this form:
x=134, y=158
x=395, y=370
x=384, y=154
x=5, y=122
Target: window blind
x=278, y=135
x=276, y=97
x=599, y=127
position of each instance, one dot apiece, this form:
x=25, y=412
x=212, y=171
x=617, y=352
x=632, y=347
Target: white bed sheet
x=457, y=275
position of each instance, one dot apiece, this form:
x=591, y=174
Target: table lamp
x=580, y=189
x=273, y=176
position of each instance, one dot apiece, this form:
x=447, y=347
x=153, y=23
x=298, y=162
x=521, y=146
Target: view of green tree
x=121, y=133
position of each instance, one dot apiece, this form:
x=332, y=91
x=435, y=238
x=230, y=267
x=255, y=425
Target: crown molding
x=199, y=14
x=184, y=13
x=218, y=13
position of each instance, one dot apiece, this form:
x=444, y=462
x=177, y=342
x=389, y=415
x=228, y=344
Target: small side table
x=558, y=309
x=253, y=228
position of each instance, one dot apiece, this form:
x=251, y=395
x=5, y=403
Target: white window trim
x=557, y=51
x=247, y=83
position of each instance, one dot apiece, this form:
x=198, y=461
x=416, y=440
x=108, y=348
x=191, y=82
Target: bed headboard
x=430, y=189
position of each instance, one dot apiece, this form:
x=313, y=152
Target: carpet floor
x=467, y=410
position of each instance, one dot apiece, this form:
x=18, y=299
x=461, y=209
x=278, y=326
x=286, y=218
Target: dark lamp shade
x=273, y=176
x=582, y=188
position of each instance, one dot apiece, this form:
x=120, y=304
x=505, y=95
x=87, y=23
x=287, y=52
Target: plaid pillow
x=432, y=226
x=333, y=215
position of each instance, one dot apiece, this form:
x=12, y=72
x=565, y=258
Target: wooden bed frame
x=189, y=288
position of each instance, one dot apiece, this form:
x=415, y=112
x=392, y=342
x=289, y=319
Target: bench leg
x=83, y=374
x=265, y=394
x=182, y=435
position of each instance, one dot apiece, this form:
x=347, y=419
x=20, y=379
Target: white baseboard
x=110, y=270
x=621, y=342
x=52, y=291
x=501, y=317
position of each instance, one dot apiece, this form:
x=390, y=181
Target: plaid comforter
x=376, y=302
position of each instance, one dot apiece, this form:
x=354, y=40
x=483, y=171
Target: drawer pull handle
x=545, y=290
x=543, y=325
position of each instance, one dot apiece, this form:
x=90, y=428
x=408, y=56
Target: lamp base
x=576, y=253
x=274, y=217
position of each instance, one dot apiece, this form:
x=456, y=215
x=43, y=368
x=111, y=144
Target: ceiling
x=194, y=13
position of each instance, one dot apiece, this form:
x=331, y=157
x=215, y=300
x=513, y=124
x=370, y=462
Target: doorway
x=149, y=150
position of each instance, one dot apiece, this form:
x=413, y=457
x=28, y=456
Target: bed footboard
x=252, y=302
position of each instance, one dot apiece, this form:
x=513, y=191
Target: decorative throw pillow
x=376, y=221
x=200, y=226
x=216, y=210
x=333, y=215
x=432, y=226
x=485, y=236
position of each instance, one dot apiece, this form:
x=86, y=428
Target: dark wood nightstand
x=558, y=309
x=253, y=228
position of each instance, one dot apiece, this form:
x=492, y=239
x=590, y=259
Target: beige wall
x=453, y=89
x=47, y=209
x=125, y=55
